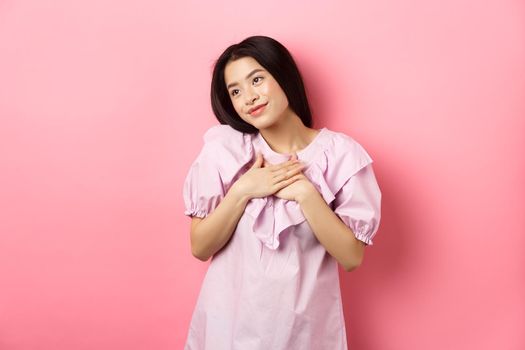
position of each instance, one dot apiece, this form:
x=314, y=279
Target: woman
x=277, y=204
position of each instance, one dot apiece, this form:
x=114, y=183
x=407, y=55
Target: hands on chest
x=284, y=180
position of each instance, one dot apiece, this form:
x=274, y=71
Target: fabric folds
x=223, y=157
x=336, y=164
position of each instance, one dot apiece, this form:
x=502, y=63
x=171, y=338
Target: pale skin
x=285, y=133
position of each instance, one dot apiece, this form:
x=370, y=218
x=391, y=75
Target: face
x=250, y=85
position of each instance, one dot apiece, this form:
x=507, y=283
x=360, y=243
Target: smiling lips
x=257, y=109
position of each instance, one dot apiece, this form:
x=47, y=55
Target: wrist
x=238, y=194
x=307, y=195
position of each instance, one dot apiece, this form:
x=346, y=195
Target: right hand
x=261, y=181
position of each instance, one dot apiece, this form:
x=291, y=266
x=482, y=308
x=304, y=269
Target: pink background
x=103, y=106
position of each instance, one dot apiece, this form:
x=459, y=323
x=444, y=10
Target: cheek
x=270, y=88
x=274, y=89
x=236, y=105
x=239, y=109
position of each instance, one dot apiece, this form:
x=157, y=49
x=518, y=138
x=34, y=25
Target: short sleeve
x=358, y=204
x=225, y=155
x=203, y=189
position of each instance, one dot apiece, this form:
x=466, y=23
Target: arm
x=210, y=234
x=332, y=233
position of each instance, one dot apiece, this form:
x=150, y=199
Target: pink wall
x=103, y=106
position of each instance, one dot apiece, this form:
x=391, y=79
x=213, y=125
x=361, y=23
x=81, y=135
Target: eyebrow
x=249, y=75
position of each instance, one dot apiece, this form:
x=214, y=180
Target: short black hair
x=278, y=61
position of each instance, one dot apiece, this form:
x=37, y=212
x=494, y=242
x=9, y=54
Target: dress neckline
x=301, y=154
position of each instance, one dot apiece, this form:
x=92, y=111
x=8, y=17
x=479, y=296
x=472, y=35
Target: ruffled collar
x=272, y=215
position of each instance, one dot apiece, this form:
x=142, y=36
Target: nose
x=251, y=97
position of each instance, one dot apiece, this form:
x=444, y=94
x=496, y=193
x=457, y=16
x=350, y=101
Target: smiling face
x=250, y=85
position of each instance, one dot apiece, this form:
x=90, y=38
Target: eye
x=233, y=91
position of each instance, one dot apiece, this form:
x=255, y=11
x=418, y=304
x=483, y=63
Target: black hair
x=278, y=61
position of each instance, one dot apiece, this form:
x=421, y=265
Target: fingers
x=259, y=159
x=286, y=182
x=295, y=178
x=283, y=174
x=287, y=164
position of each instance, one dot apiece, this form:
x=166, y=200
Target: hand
x=261, y=181
x=297, y=189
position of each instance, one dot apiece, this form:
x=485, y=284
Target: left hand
x=298, y=189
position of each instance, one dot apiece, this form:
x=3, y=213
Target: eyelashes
x=233, y=91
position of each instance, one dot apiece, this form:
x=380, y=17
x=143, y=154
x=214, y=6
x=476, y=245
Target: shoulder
x=222, y=140
x=341, y=158
x=347, y=149
x=222, y=133
x=228, y=149
x=224, y=136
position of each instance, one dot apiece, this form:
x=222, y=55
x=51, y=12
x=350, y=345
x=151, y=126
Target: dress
x=274, y=285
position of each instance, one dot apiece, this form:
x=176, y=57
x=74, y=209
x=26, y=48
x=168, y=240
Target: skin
x=284, y=131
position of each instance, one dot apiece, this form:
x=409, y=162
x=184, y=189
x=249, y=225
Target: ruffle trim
x=230, y=147
x=201, y=213
x=362, y=234
x=272, y=215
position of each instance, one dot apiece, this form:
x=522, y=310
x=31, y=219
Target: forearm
x=337, y=238
x=214, y=231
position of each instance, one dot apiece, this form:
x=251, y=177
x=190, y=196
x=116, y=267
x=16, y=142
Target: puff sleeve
x=357, y=196
x=225, y=154
x=203, y=189
x=358, y=204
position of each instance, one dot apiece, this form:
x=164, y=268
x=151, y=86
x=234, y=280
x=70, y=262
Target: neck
x=288, y=135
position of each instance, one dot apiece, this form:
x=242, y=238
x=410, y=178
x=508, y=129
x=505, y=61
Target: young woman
x=278, y=205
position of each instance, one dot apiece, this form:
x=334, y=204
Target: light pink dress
x=274, y=286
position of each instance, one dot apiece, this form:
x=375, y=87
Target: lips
x=256, y=108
